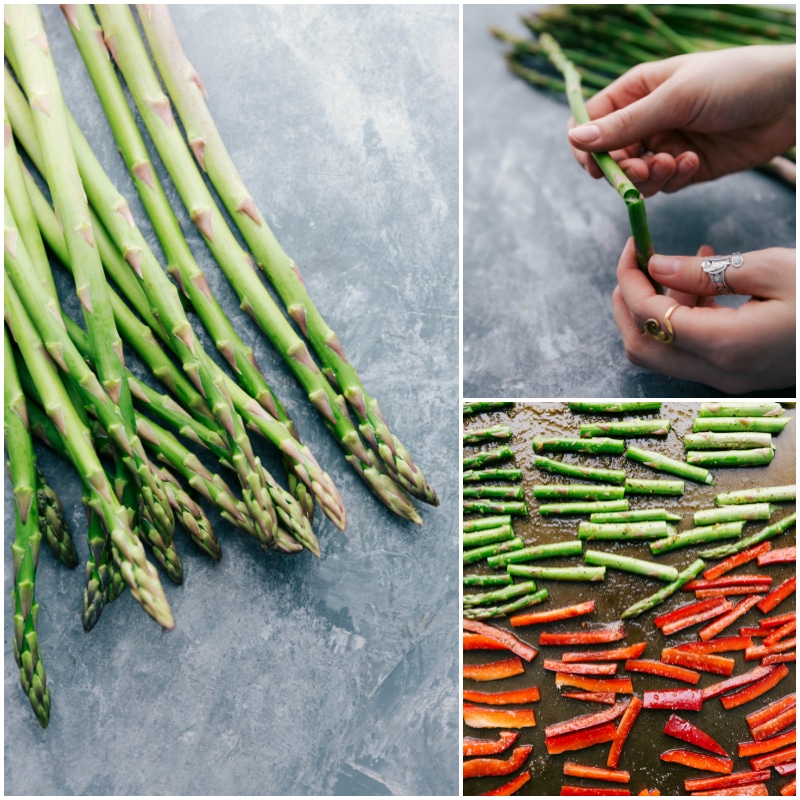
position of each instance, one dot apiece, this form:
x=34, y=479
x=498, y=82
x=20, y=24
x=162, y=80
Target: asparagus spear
x=766, y=494
x=578, y=471
x=637, y=566
x=487, y=550
x=483, y=523
x=487, y=580
x=757, y=456
x=667, y=464
x=651, y=529
x=595, y=445
x=632, y=427
x=27, y=539
x=769, y=532
x=642, y=486
x=478, y=475
x=740, y=410
x=560, y=509
x=53, y=523
x=525, y=601
x=557, y=573
x=615, y=408
x=533, y=553
x=495, y=492
x=186, y=91
x=733, y=424
x=578, y=491
x=712, y=440
x=745, y=511
x=478, y=407
x=499, y=595
x=495, y=456
x=638, y=515
x=701, y=535
x=489, y=536
x=497, y=507
x=479, y=435
x=692, y=571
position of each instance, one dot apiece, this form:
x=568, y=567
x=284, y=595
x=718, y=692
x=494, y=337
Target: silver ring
x=715, y=267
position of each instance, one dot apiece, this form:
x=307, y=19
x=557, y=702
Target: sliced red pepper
x=553, y=615
x=736, y=779
x=529, y=695
x=729, y=591
x=728, y=580
x=478, y=641
x=585, y=721
x=682, y=729
x=783, y=555
x=777, y=723
x=489, y=747
x=623, y=729
x=724, y=644
x=585, y=791
x=668, y=628
x=780, y=633
x=648, y=793
x=778, y=658
x=479, y=717
x=789, y=789
x=509, y=788
x=771, y=710
x=690, y=758
x=663, y=670
x=755, y=633
x=681, y=699
x=620, y=685
x=777, y=620
x=580, y=668
x=719, y=665
x=609, y=633
x=756, y=689
x=753, y=653
x=716, y=689
x=719, y=624
x=748, y=790
x=747, y=749
x=616, y=654
x=480, y=767
x=736, y=560
x=596, y=773
x=494, y=670
x=686, y=610
x=593, y=697
x=771, y=759
x=512, y=643
x=778, y=595
x=786, y=769
x=578, y=740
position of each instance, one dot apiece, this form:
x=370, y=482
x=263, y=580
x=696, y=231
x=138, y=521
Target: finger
x=650, y=173
x=762, y=274
x=692, y=300
x=687, y=165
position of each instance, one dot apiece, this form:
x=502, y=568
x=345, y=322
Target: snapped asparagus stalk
x=692, y=571
x=558, y=573
x=776, y=529
x=486, y=551
x=712, y=440
x=578, y=491
x=488, y=536
x=500, y=595
x=649, y=529
x=663, y=463
x=496, y=507
x=483, y=523
x=479, y=407
x=637, y=515
x=479, y=435
x=701, y=535
x=755, y=457
x=746, y=424
x=497, y=474
x=27, y=539
x=745, y=511
x=481, y=612
x=487, y=580
x=494, y=492
x=740, y=410
x=626, y=428
x=615, y=408
x=579, y=471
x=660, y=487
x=542, y=444
x=571, y=547
x=494, y=456
x=637, y=566
x=563, y=509
x=765, y=494
x=52, y=522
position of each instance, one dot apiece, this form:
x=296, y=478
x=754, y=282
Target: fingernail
x=685, y=166
x=585, y=134
x=663, y=266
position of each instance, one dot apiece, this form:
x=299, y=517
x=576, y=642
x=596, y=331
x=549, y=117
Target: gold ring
x=665, y=335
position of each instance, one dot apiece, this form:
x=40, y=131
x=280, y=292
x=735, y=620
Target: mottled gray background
x=291, y=675
x=542, y=241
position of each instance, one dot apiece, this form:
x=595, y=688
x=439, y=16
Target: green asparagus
x=579, y=471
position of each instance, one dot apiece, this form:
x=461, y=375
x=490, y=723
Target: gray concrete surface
x=541, y=241
x=291, y=675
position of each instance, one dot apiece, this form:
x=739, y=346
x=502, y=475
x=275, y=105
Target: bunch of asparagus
x=132, y=445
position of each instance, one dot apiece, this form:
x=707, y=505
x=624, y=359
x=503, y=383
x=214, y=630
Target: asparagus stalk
x=479, y=407
x=578, y=491
x=755, y=457
x=52, y=522
x=637, y=515
x=666, y=464
x=650, y=529
x=27, y=539
x=765, y=494
x=561, y=509
x=660, y=487
x=701, y=535
x=487, y=580
x=595, y=445
x=734, y=424
x=637, y=566
x=615, y=408
x=578, y=471
x=711, y=440
x=497, y=474
x=776, y=529
x=571, y=547
x=128, y=552
x=488, y=550
x=633, y=427
x=494, y=492
x=186, y=90
x=499, y=595
x=692, y=571
x=485, y=457
x=480, y=435
x=497, y=507
x=489, y=536
x=558, y=573
x=484, y=523
x=527, y=600
x=740, y=410
x=745, y=511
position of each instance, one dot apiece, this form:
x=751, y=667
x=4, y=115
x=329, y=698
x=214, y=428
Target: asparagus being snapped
x=666, y=464
x=497, y=474
x=53, y=523
x=495, y=456
x=755, y=457
x=477, y=436
x=479, y=407
x=631, y=428
x=579, y=471
x=612, y=171
x=692, y=571
x=27, y=538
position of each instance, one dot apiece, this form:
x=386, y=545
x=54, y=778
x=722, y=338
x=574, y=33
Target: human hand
x=734, y=350
x=694, y=117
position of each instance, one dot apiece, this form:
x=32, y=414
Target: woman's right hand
x=694, y=117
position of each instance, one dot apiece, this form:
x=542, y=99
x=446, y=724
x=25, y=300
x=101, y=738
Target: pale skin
x=681, y=121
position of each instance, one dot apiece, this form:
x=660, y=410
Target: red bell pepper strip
x=739, y=610
x=749, y=790
x=668, y=628
x=479, y=717
x=553, y=615
x=728, y=580
x=777, y=723
x=747, y=749
x=509, y=788
x=756, y=689
x=529, y=695
x=736, y=779
x=779, y=633
x=478, y=641
x=585, y=721
x=699, y=760
x=789, y=788
x=609, y=633
x=782, y=555
x=722, y=645
x=716, y=689
x=786, y=769
x=753, y=653
x=778, y=658
x=663, y=670
x=623, y=729
x=593, y=697
x=495, y=670
x=615, y=654
x=719, y=665
x=771, y=710
x=755, y=633
x=777, y=620
x=585, y=791
x=620, y=685
x=480, y=767
x=778, y=595
x=687, y=610
x=682, y=729
x=648, y=793
x=580, y=668
x=596, y=773
x=771, y=759
x=729, y=591
x=489, y=747
x=681, y=699
x=578, y=740
x=514, y=644
x=736, y=560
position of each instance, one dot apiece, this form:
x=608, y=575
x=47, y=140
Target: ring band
x=715, y=267
x=665, y=334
